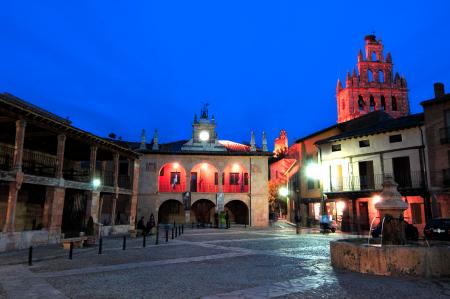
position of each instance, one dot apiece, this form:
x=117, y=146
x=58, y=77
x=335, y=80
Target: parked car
x=437, y=229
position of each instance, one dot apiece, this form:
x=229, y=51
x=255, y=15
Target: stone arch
x=372, y=103
x=394, y=103
x=374, y=56
x=361, y=103
x=383, y=103
x=237, y=211
x=202, y=211
x=169, y=211
x=381, y=76
x=204, y=177
x=172, y=178
x=369, y=76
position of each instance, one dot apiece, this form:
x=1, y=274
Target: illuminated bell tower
x=204, y=136
x=373, y=87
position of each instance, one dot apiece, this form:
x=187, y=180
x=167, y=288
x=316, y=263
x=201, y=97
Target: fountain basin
x=391, y=260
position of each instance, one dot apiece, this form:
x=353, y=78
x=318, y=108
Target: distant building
x=437, y=133
x=373, y=86
x=188, y=181
x=54, y=177
x=281, y=143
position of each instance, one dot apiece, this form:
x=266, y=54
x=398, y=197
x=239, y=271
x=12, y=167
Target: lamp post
x=284, y=192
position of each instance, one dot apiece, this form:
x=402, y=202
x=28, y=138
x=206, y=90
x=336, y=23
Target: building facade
x=353, y=165
x=373, y=86
x=54, y=177
x=189, y=181
x=437, y=128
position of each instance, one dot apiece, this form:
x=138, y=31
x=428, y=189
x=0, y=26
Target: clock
x=204, y=135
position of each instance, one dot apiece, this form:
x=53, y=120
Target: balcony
x=375, y=183
x=125, y=181
x=235, y=188
x=167, y=187
x=207, y=188
x=6, y=157
x=444, y=135
x=37, y=163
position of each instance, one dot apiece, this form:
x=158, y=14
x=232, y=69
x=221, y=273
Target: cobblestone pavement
x=203, y=263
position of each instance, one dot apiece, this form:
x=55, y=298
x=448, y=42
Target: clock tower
x=204, y=136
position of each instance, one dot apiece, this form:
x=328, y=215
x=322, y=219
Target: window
x=361, y=103
x=364, y=143
x=223, y=178
x=369, y=76
x=416, y=213
x=216, y=178
x=245, y=179
x=175, y=178
x=395, y=138
x=383, y=103
x=394, y=104
x=372, y=103
x=381, y=76
x=234, y=178
x=374, y=56
x=335, y=147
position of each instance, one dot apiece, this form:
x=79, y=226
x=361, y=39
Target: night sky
x=120, y=66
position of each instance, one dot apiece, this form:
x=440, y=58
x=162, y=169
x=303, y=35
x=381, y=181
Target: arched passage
x=203, y=211
x=237, y=211
x=172, y=178
x=171, y=210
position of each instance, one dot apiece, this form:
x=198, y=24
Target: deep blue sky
x=119, y=66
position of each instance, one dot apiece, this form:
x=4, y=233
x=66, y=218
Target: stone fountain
x=391, y=208
x=394, y=256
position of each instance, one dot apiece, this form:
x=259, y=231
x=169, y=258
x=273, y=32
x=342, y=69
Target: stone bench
x=77, y=242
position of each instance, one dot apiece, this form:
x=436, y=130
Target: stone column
x=55, y=197
x=134, y=195
x=92, y=205
x=18, y=146
x=14, y=188
x=220, y=174
x=60, y=156
x=92, y=162
x=113, y=209
x=116, y=170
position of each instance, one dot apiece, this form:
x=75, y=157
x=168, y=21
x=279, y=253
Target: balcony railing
x=207, y=188
x=166, y=187
x=6, y=157
x=235, y=188
x=107, y=177
x=375, y=183
x=125, y=181
x=444, y=134
x=77, y=171
x=37, y=163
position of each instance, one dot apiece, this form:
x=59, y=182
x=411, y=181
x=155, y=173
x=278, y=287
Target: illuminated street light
x=96, y=183
x=313, y=171
x=283, y=191
x=376, y=199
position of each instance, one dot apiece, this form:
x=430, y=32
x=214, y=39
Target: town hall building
x=189, y=181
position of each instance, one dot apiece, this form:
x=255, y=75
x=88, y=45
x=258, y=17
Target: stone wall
x=391, y=260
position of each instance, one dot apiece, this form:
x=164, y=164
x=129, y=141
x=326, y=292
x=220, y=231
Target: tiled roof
x=375, y=123
x=234, y=146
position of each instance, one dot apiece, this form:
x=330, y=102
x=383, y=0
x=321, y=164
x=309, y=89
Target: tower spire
x=252, y=142
x=143, y=146
x=264, y=142
x=155, y=146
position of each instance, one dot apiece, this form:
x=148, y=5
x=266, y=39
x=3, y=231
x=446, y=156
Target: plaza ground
x=203, y=263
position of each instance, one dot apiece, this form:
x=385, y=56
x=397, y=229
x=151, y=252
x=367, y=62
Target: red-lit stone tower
x=373, y=87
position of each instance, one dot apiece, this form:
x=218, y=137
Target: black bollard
x=157, y=235
x=179, y=230
x=172, y=233
x=176, y=231
x=30, y=256
x=143, y=240
x=297, y=229
x=100, y=246
x=70, y=250
x=192, y=224
x=167, y=235
x=182, y=229
x=124, y=245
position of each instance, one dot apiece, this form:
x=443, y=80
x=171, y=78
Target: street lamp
x=283, y=191
x=96, y=183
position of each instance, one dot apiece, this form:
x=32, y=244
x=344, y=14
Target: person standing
x=227, y=219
